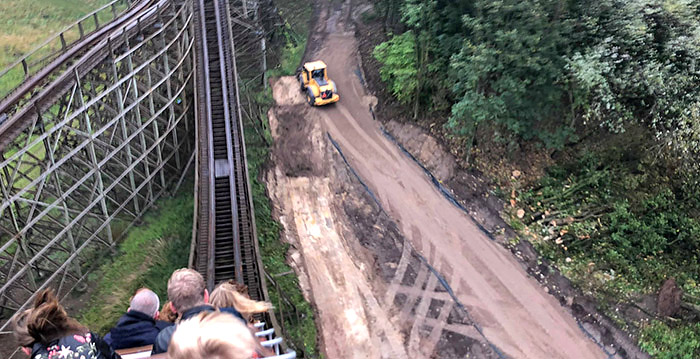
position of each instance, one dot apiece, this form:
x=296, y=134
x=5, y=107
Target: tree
x=399, y=69
x=638, y=68
x=509, y=68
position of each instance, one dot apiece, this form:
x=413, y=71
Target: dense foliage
x=537, y=69
x=664, y=342
x=611, y=86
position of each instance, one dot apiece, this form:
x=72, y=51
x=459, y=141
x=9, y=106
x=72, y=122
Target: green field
x=27, y=23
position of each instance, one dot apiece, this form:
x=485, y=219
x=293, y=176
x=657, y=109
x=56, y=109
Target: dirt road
x=374, y=296
x=515, y=313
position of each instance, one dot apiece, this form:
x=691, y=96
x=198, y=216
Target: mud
x=370, y=288
x=403, y=272
x=294, y=133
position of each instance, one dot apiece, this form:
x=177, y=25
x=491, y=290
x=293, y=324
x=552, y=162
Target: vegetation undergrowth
x=297, y=19
x=624, y=230
x=679, y=341
x=618, y=228
x=302, y=333
x=274, y=251
x=146, y=258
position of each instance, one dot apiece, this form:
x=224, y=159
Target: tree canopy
x=549, y=70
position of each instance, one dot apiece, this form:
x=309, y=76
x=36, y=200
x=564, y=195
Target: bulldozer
x=315, y=84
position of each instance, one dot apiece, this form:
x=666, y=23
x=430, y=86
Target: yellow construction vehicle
x=316, y=85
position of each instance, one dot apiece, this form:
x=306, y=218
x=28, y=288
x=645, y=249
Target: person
x=47, y=332
x=166, y=313
x=138, y=327
x=227, y=298
x=213, y=335
x=188, y=297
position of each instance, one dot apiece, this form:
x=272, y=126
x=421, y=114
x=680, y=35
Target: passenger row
x=191, y=325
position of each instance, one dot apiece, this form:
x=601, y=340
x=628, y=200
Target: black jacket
x=135, y=329
x=232, y=310
x=89, y=346
x=163, y=339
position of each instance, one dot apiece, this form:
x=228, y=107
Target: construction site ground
x=392, y=267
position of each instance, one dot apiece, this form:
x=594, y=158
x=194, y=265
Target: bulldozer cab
x=319, y=76
x=315, y=71
x=314, y=82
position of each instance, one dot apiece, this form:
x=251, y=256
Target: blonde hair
x=227, y=295
x=212, y=335
x=186, y=289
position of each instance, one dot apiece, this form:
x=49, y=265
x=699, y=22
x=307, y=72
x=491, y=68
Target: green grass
x=28, y=23
x=146, y=258
x=302, y=334
x=289, y=61
x=681, y=341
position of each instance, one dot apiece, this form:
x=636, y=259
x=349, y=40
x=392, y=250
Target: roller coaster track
x=104, y=127
x=227, y=242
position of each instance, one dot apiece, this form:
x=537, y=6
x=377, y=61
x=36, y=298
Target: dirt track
x=383, y=314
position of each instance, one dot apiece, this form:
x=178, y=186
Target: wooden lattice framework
x=85, y=157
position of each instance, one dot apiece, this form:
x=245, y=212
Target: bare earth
x=366, y=306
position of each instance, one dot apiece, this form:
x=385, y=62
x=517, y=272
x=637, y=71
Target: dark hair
x=45, y=322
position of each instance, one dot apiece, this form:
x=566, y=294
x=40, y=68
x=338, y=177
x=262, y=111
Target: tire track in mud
x=374, y=296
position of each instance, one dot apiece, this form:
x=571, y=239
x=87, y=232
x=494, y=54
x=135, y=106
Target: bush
x=399, y=67
x=664, y=342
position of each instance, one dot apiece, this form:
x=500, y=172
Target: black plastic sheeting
x=450, y=197
x=440, y=278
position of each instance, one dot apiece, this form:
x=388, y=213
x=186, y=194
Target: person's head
x=212, y=335
x=186, y=289
x=227, y=295
x=167, y=314
x=45, y=322
x=145, y=301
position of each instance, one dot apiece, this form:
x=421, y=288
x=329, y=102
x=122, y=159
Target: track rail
x=226, y=246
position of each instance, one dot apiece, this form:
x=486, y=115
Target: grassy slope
x=303, y=334
x=146, y=258
x=297, y=16
x=27, y=23
x=153, y=250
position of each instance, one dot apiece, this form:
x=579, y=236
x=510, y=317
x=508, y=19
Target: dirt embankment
x=374, y=296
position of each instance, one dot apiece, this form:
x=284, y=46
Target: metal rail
x=227, y=244
x=225, y=247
